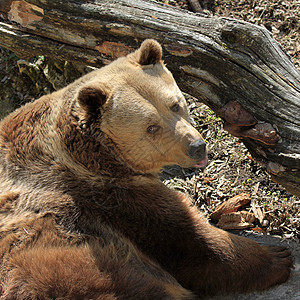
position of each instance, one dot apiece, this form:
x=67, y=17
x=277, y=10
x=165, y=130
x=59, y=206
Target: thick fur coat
x=83, y=214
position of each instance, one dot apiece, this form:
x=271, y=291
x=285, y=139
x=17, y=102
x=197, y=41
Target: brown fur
x=83, y=214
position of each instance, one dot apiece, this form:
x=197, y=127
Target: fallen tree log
x=234, y=67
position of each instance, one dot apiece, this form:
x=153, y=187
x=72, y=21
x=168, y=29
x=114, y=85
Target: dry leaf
x=258, y=229
x=208, y=179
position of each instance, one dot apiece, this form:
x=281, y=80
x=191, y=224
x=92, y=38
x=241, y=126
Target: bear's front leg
x=167, y=228
x=231, y=264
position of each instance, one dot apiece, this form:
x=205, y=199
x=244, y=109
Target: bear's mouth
x=202, y=164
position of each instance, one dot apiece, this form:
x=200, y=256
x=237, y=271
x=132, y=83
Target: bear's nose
x=197, y=150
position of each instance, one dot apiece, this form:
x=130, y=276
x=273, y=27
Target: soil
x=231, y=169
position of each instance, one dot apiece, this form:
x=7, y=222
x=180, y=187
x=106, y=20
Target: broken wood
x=231, y=205
x=220, y=61
x=236, y=220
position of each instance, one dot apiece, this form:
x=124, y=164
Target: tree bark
x=234, y=67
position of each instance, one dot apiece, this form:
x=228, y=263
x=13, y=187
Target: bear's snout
x=197, y=150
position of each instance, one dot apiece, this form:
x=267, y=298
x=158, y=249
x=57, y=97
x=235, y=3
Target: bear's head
x=135, y=104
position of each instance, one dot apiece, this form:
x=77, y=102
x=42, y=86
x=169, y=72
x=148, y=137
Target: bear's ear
x=149, y=53
x=92, y=97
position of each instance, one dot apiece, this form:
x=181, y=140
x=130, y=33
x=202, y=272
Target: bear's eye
x=175, y=107
x=153, y=129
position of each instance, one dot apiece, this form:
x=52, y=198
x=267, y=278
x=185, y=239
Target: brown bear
x=83, y=212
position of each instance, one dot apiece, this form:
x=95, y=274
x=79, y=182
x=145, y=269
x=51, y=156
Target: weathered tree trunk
x=236, y=68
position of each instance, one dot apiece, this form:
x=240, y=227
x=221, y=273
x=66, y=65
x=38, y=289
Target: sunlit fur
x=83, y=214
